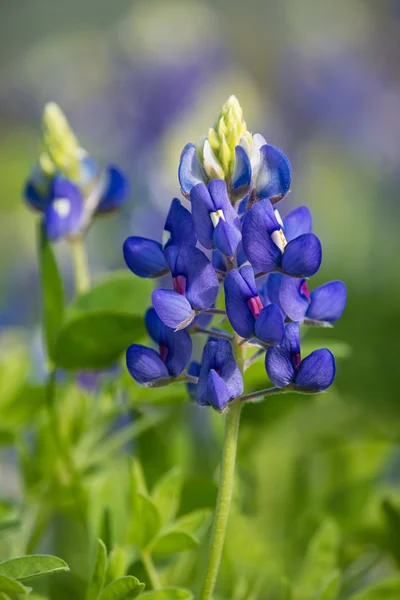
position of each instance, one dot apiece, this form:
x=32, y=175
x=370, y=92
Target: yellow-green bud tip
x=59, y=141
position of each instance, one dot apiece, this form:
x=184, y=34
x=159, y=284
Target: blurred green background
x=321, y=81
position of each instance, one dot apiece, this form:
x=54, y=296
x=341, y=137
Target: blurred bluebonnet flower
x=145, y=257
x=66, y=185
x=245, y=310
x=267, y=247
x=220, y=379
x=149, y=367
x=324, y=305
x=284, y=366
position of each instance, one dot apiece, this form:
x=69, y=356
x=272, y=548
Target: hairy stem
x=151, y=570
x=80, y=265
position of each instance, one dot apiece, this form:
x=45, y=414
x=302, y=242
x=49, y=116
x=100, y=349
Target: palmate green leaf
x=388, y=589
x=195, y=523
x=147, y=521
x=167, y=494
x=169, y=594
x=97, y=578
x=320, y=561
x=34, y=565
x=125, y=588
x=96, y=340
x=10, y=586
x=172, y=542
x=52, y=293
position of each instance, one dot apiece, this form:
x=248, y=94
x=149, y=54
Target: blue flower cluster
x=234, y=238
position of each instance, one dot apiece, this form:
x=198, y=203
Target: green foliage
x=12, y=586
x=169, y=594
x=98, y=576
x=124, y=588
x=166, y=494
x=384, y=590
x=28, y=567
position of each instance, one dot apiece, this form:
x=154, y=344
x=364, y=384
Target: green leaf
x=147, y=521
x=52, y=293
x=385, y=590
x=321, y=559
x=117, y=563
x=392, y=516
x=167, y=494
x=330, y=590
x=98, y=575
x=169, y=594
x=125, y=588
x=174, y=541
x=96, y=340
x=10, y=586
x=195, y=523
x=34, y=565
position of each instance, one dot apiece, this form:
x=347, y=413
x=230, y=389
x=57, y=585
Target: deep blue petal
x=293, y=301
x=270, y=327
x=248, y=275
x=218, y=355
x=241, y=257
x=317, y=371
x=242, y=173
x=221, y=201
x=180, y=225
x=279, y=360
x=237, y=293
x=190, y=171
x=273, y=285
x=63, y=216
x=38, y=189
x=115, y=190
x=179, y=345
x=297, y=222
x=274, y=173
x=219, y=261
x=173, y=309
x=258, y=225
x=218, y=394
x=328, y=302
x=226, y=237
x=145, y=365
x=302, y=256
x=154, y=326
x=202, y=205
x=144, y=257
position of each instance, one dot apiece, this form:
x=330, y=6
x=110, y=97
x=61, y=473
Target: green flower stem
x=227, y=478
x=151, y=570
x=80, y=265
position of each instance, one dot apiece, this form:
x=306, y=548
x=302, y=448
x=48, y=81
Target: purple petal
x=144, y=257
x=116, y=189
x=154, y=325
x=273, y=285
x=218, y=355
x=302, y=256
x=258, y=225
x=317, y=371
x=237, y=293
x=242, y=173
x=220, y=201
x=280, y=360
x=297, y=222
x=218, y=394
x=269, y=327
x=173, y=309
x=179, y=345
x=190, y=171
x=63, y=216
x=293, y=301
x=145, y=365
x=328, y=302
x=202, y=205
x=219, y=261
x=180, y=225
x=274, y=173
x=226, y=237
x=248, y=275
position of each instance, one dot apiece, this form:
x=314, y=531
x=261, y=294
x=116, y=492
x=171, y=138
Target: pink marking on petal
x=163, y=353
x=297, y=360
x=304, y=290
x=179, y=284
x=255, y=305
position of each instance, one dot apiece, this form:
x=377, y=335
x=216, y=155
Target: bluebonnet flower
x=145, y=257
x=151, y=368
x=245, y=310
x=267, y=247
x=284, y=366
x=324, y=305
x=220, y=379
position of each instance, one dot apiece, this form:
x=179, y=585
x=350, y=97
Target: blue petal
x=63, y=216
x=237, y=293
x=241, y=257
x=273, y=285
x=269, y=327
x=218, y=394
x=202, y=205
x=38, y=189
x=144, y=257
x=302, y=256
x=219, y=261
x=201, y=280
x=317, y=371
x=279, y=360
x=179, y=344
x=274, y=174
x=173, y=309
x=115, y=191
x=293, y=302
x=180, y=225
x=226, y=237
x=242, y=173
x=190, y=171
x=248, y=275
x=155, y=327
x=218, y=355
x=328, y=302
x=145, y=365
x=220, y=201
x=297, y=222
x=89, y=171
x=258, y=225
